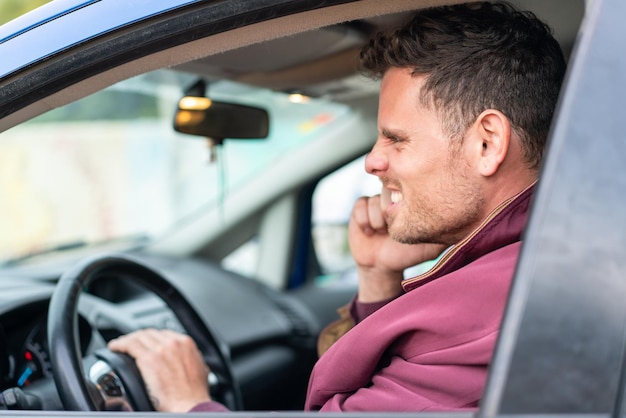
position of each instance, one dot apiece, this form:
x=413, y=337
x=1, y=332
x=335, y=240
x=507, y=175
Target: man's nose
x=376, y=161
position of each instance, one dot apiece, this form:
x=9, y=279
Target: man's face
x=434, y=193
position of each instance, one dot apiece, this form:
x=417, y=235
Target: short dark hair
x=475, y=57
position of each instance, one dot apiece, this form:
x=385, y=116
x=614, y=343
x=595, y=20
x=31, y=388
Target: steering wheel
x=109, y=380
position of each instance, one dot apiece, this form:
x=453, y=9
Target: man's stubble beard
x=437, y=220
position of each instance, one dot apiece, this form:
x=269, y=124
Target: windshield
x=110, y=166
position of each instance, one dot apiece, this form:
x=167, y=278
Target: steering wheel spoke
x=105, y=386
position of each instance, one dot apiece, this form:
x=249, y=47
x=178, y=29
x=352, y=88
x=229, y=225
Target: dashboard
x=24, y=357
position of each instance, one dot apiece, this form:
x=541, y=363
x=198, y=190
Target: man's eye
x=394, y=139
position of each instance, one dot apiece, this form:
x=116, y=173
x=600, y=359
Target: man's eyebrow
x=393, y=134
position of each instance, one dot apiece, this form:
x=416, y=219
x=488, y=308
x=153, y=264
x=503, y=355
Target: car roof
x=54, y=60
x=52, y=18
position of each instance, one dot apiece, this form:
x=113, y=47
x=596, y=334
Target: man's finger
x=360, y=216
x=376, y=215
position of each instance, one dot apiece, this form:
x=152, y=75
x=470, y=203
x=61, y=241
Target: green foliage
x=10, y=9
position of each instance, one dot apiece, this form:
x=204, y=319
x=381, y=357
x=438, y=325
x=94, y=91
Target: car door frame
x=564, y=313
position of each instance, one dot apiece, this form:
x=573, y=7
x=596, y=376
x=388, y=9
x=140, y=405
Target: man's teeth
x=396, y=197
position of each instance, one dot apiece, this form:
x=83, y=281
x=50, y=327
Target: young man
x=466, y=102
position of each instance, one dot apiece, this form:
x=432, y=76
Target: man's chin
x=404, y=236
x=400, y=235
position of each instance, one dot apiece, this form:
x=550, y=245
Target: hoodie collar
x=503, y=226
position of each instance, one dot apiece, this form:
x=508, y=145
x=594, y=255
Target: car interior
x=235, y=230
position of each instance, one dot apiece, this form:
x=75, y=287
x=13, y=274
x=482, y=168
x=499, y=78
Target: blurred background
x=10, y=9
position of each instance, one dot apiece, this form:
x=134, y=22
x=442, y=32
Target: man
x=466, y=100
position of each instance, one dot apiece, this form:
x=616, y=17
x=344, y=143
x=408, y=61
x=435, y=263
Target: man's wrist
x=376, y=285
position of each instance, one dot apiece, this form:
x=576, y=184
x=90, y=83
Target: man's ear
x=494, y=131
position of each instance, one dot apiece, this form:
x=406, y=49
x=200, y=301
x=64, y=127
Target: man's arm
x=445, y=379
x=380, y=261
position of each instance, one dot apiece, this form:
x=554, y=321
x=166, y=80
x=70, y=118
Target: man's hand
x=380, y=260
x=171, y=366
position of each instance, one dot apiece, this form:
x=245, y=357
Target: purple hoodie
x=429, y=348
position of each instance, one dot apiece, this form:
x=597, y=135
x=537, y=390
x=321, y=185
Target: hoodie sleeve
x=349, y=315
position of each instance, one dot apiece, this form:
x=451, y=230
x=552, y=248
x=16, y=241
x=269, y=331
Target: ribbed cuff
x=359, y=310
x=210, y=406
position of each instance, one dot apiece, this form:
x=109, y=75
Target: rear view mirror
x=219, y=120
